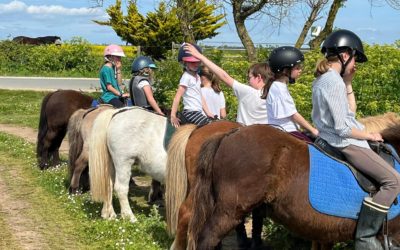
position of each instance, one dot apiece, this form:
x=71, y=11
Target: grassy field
x=65, y=221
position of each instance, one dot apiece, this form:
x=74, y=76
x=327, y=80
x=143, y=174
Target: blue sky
x=378, y=24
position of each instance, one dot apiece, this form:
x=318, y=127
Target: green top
x=107, y=76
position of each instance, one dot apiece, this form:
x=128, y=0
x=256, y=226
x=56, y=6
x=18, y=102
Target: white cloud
x=367, y=29
x=19, y=6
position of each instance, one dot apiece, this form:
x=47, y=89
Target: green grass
x=75, y=219
x=20, y=107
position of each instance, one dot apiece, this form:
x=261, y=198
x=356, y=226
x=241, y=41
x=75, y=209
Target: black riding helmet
x=344, y=41
x=142, y=62
x=341, y=41
x=285, y=57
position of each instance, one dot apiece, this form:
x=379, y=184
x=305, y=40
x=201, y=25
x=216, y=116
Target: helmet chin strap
x=193, y=71
x=344, y=64
x=291, y=80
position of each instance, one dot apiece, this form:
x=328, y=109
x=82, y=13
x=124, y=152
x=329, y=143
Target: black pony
x=38, y=40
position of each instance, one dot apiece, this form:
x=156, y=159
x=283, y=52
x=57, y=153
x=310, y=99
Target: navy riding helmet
x=142, y=62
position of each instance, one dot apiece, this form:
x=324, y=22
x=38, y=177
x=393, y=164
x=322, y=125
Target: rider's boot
x=370, y=220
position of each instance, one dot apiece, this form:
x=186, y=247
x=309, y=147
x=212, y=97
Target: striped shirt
x=331, y=113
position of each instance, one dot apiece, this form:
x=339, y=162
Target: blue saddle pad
x=95, y=103
x=333, y=189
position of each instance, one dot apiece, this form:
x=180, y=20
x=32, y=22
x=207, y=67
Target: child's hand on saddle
x=175, y=121
x=314, y=133
x=375, y=137
x=125, y=95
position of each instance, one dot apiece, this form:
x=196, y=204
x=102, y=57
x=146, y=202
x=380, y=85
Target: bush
x=376, y=83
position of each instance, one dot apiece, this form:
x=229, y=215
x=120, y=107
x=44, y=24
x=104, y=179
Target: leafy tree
x=336, y=5
x=316, y=6
x=243, y=9
x=158, y=30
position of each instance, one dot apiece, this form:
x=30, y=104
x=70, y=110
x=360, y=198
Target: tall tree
x=155, y=32
x=336, y=5
x=243, y=9
x=316, y=6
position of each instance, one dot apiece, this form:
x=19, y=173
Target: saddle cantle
x=333, y=190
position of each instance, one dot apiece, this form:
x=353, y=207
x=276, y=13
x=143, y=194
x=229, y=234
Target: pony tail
x=176, y=179
x=323, y=65
x=75, y=139
x=42, y=131
x=203, y=193
x=266, y=88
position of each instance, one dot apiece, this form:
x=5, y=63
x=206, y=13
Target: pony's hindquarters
x=203, y=193
x=176, y=176
x=101, y=165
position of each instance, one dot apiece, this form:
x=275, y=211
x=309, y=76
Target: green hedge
x=377, y=84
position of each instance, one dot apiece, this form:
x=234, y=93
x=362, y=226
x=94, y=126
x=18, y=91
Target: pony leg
x=54, y=147
x=121, y=186
x=55, y=156
x=44, y=157
x=156, y=193
x=321, y=246
x=80, y=165
x=221, y=222
x=108, y=210
x=185, y=213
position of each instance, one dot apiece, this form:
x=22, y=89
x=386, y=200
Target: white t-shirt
x=143, y=83
x=281, y=107
x=192, y=96
x=215, y=101
x=252, y=109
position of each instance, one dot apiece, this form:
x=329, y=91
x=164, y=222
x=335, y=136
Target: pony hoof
x=74, y=191
x=158, y=203
x=133, y=220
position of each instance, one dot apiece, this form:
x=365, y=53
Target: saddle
x=365, y=182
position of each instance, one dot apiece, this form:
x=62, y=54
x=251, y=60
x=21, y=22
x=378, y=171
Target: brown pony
x=251, y=165
x=79, y=130
x=183, y=151
x=57, y=107
x=181, y=170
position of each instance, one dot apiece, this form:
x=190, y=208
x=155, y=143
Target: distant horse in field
x=79, y=131
x=181, y=175
x=251, y=165
x=122, y=138
x=38, y=40
x=57, y=107
x=183, y=151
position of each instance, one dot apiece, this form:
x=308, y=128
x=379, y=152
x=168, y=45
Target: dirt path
x=14, y=211
x=29, y=134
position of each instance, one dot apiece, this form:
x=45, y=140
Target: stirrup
x=388, y=242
